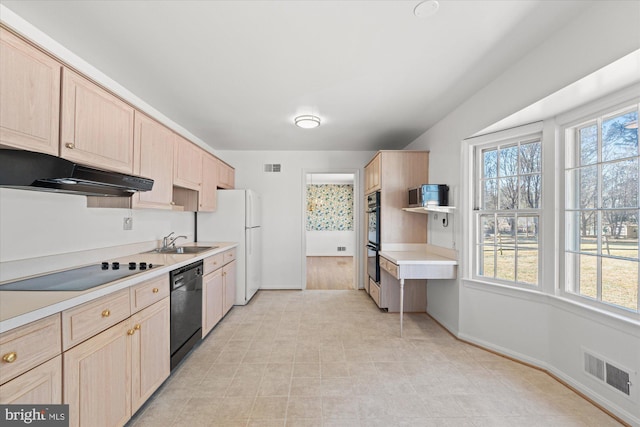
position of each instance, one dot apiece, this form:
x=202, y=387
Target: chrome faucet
x=168, y=242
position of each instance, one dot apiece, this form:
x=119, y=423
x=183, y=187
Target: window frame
x=568, y=271
x=517, y=136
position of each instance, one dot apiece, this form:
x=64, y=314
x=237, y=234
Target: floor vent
x=272, y=167
x=606, y=372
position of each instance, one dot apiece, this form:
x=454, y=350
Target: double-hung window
x=602, y=209
x=508, y=200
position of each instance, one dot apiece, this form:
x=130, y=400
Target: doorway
x=330, y=231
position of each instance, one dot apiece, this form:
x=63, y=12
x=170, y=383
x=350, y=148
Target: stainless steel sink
x=183, y=250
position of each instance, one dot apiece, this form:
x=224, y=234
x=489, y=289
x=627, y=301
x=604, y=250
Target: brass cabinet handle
x=10, y=357
x=131, y=331
x=156, y=290
x=70, y=145
x=106, y=313
x=137, y=327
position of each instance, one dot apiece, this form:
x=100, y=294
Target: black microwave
x=429, y=195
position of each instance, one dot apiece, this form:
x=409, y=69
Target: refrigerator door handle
x=249, y=210
x=250, y=245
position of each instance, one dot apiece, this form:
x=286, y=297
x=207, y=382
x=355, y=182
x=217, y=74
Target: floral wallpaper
x=330, y=207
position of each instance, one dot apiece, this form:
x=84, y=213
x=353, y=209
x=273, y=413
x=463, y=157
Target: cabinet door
x=30, y=101
x=226, y=176
x=229, y=276
x=39, y=386
x=372, y=174
x=97, y=127
x=97, y=379
x=153, y=158
x=208, y=197
x=187, y=164
x=212, y=300
x=150, y=351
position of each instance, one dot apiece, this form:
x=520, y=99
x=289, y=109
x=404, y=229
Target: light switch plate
x=127, y=223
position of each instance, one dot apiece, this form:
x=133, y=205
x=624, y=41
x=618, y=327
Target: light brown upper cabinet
x=187, y=164
x=30, y=101
x=153, y=158
x=96, y=127
x=226, y=176
x=208, y=197
x=372, y=174
x=397, y=172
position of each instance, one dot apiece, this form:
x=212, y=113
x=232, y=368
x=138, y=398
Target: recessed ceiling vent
x=272, y=167
x=604, y=371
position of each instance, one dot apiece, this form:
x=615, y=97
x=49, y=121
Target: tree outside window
x=509, y=198
x=601, y=209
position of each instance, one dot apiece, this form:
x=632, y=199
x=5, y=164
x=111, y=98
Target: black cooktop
x=79, y=279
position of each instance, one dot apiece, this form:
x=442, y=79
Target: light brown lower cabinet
x=218, y=288
x=39, y=386
x=212, y=296
x=108, y=377
x=229, y=285
x=150, y=351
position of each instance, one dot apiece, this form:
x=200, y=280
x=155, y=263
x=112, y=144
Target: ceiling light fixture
x=426, y=9
x=307, y=121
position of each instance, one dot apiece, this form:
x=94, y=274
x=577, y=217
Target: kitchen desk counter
x=417, y=257
x=417, y=261
x=18, y=308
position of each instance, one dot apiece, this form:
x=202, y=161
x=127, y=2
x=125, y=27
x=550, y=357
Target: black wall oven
x=186, y=310
x=373, y=236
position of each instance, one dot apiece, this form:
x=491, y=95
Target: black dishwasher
x=186, y=310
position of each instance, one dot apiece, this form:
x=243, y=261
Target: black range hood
x=27, y=170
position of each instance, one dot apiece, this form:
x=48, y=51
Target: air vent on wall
x=594, y=366
x=608, y=373
x=619, y=379
x=272, y=167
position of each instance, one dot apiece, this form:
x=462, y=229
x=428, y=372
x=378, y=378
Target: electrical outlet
x=127, y=223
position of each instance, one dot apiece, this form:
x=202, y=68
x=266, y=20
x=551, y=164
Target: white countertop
x=18, y=308
x=419, y=254
x=417, y=257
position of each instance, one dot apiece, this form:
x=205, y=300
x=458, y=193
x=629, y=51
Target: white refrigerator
x=238, y=218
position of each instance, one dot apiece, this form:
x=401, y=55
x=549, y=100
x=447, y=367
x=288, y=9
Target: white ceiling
x=236, y=73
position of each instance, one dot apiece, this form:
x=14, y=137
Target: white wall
x=282, y=203
x=325, y=243
x=540, y=329
x=36, y=224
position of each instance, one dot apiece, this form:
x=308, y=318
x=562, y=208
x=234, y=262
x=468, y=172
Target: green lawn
x=619, y=277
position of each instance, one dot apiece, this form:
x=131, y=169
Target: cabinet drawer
x=42, y=385
x=86, y=320
x=213, y=263
x=390, y=267
x=374, y=291
x=146, y=293
x=28, y=346
x=229, y=256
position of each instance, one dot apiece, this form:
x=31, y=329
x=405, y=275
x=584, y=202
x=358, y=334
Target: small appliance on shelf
x=429, y=195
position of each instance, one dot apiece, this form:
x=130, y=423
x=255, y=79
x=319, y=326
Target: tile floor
x=331, y=358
